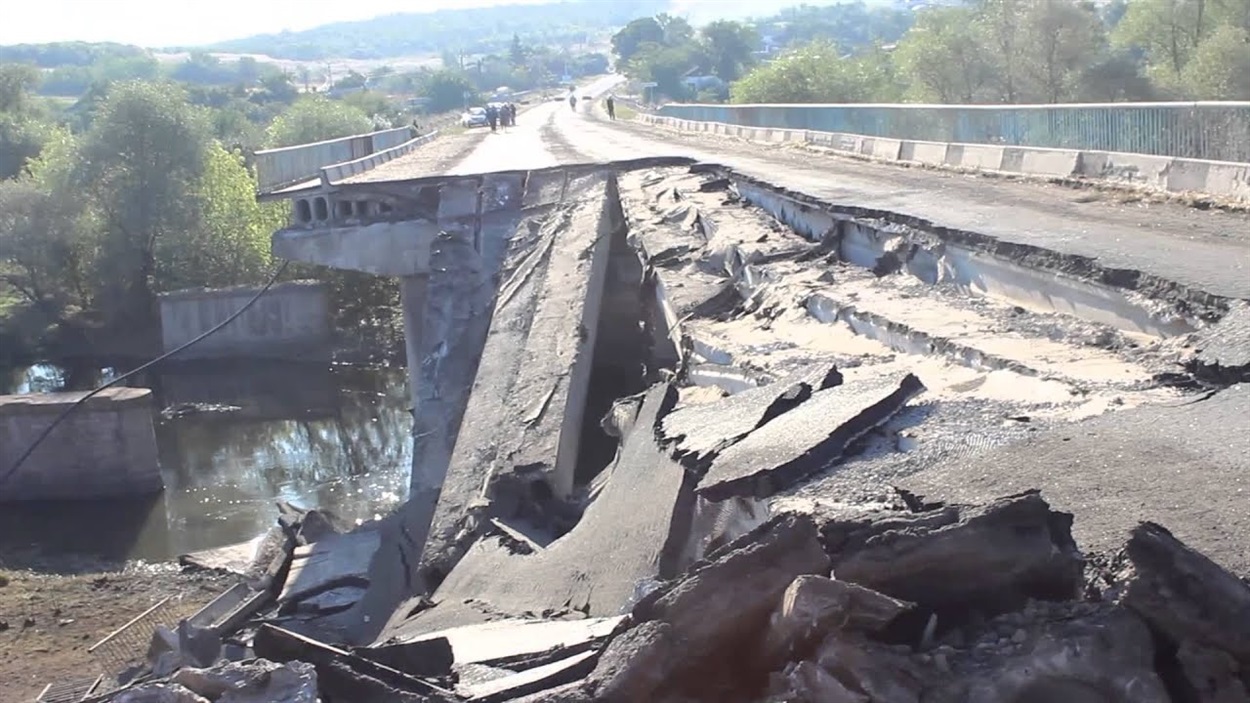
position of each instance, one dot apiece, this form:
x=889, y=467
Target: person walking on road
x=492, y=116
x=512, y=114
x=611, y=105
x=572, y=102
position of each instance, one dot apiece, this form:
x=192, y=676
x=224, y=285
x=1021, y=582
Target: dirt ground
x=48, y=618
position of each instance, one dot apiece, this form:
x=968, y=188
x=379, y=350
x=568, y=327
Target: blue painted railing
x=1218, y=131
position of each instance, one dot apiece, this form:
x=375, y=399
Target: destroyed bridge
x=702, y=415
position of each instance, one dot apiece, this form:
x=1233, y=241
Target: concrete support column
x=413, y=293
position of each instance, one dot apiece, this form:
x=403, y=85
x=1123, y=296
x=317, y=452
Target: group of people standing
x=501, y=115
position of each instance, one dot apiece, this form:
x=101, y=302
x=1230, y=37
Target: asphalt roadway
x=1184, y=466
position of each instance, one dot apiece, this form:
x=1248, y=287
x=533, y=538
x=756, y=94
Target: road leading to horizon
x=530, y=144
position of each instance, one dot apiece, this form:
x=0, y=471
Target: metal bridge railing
x=1218, y=131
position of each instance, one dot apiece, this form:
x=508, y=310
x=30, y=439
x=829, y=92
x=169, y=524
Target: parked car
x=474, y=117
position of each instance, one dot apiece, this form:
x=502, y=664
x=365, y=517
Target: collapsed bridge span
x=620, y=371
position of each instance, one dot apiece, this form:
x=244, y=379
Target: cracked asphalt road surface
x=1111, y=470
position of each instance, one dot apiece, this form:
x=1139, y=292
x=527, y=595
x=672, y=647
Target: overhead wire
x=12, y=470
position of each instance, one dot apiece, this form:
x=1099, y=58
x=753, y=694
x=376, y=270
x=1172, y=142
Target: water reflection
x=314, y=435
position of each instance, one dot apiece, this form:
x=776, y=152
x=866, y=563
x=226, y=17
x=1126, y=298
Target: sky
x=166, y=23
x=161, y=23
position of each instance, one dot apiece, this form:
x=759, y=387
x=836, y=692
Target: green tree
x=518, y=53
x=1168, y=31
x=1000, y=21
x=730, y=47
x=667, y=66
x=1219, y=68
x=44, y=253
x=17, y=83
x=629, y=40
x=21, y=140
x=140, y=166
x=813, y=73
x=1064, y=38
x=445, y=89
x=314, y=118
x=943, y=56
x=230, y=245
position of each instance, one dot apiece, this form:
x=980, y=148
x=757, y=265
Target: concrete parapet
x=931, y=153
x=1036, y=161
x=291, y=320
x=985, y=157
x=106, y=448
x=1223, y=178
x=881, y=148
x=1136, y=168
x=286, y=166
x=337, y=172
x=1215, y=177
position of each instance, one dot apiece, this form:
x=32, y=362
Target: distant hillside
x=471, y=30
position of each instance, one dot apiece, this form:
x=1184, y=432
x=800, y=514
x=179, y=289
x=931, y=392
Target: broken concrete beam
x=540, y=678
x=717, y=608
x=701, y=431
x=1052, y=652
x=431, y=657
x=642, y=518
x=333, y=561
x=526, y=409
x=992, y=557
x=1185, y=595
x=806, y=439
x=813, y=605
x=340, y=672
x=511, y=643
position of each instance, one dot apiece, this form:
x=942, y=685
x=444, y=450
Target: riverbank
x=53, y=610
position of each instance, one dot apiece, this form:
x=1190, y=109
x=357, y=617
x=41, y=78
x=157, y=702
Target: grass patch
x=624, y=112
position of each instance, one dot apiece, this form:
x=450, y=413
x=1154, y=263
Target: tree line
x=142, y=185
x=977, y=51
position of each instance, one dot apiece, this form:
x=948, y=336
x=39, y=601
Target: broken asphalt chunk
x=814, y=605
x=701, y=431
x=992, y=557
x=715, y=610
x=1059, y=652
x=1185, y=595
x=806, y=439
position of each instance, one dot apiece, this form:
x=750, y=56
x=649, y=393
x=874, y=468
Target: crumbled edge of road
x=905, y=599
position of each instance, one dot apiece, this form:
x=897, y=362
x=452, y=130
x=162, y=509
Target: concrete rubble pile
x=915, y=601
x=664, y=569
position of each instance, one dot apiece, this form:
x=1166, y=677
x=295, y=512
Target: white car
x=474, y=117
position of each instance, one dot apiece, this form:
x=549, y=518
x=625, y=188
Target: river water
x=245, y=436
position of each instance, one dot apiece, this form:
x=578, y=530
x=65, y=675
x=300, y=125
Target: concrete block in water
x=289, y=320
x=105, y=448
